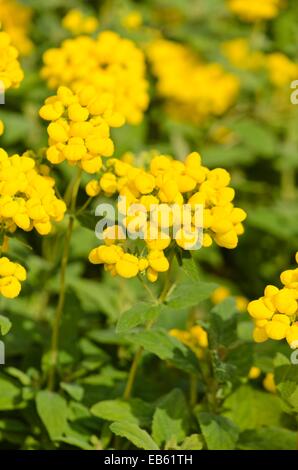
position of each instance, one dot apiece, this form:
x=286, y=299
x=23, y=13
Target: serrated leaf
x=192, y=442
x=170, y=420
x=189, y=294
x=134, y=411
x=53, y=411
x=219, y=432
x=166, y=347
x=74, y=391
x=250, y=408
x=139, y=314
x=268, y=438
x=140, y=438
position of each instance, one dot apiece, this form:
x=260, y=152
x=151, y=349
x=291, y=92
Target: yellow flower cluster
x=78, y=23
x=276, y=313
x=281, y=69
x=11, y=275
x=27, y=198
x=79, y=131
x=174, y=65
x=255, y=10
x=191, y=88
x=268, y=381
x=222, y=293
x=15, y=19
x=11, y=73
x=195, y=338
x=109, y=63
x=240, y=54
x=166, y=184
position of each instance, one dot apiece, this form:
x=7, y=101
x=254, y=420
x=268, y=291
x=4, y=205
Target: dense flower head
x=11, y=275
x=195, y=338
x=281, y=69
x=27, y=198
x=153, y=202
x=11, y=73
x=190, y=87
x=79, y=131
x=78, y=23
x=15, y=19
x=255, y=10
x=276, y=313
x=109, y=63
x=240, y=54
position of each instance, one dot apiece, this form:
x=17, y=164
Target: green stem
x=138, y=355
x=61, y=300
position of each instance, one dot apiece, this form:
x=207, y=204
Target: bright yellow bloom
x=190, y=87
x=276, y=313
x=78, y=23
x=269, y=383
x=195, y=338
x=255, y=10
x=27, y=198
x=11, y=275
x=1, y=127
x=187, y=187
x=11, y=73
x=281, y=69
x=239, y=53
x=114, y=66
x=15, y=20
x=79, y=131
x=254, y=373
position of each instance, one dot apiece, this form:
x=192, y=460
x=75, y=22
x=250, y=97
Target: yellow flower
x=114, y=67
x=269, y=383
x=15, y=20
x=255, y=10
x=11, y=275
x=254, y=373
x=281, y=69
x=78, y=23
x=11, y=73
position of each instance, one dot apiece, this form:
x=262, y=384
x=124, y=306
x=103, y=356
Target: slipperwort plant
x=129, y=260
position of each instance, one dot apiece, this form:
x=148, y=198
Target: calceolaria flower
x=109, y=63
x=11, y=276
x=195, y=338
x=79, y=131
x=15, y=19
x=255, y=10
x=27, y=198
x=281, y=69
x=210, y=91
x=276, y=313
x=78, y=23
x=11, y=73
x=184, y=205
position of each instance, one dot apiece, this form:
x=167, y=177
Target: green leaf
x=190, y=294
x=9, y=394
x=192, y=442
x=53, y=411
x=134, y=411
x=74, y=391
x=139, y=314
x=166, y=347
x=219, y=432
x=268, y=438
x=140, y=438
x=170, y=420
x=88, y=219
x=5, y=325
x=250, y=408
